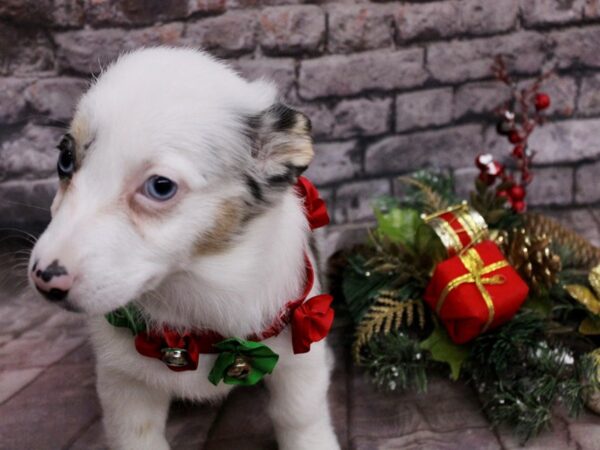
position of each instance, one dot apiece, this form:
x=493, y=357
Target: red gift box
x=475, y=291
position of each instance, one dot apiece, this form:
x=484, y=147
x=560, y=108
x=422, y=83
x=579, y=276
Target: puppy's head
x=169, y=156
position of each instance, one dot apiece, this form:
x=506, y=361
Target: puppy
x=177, y=199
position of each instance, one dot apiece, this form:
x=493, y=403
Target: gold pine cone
x=532, y=257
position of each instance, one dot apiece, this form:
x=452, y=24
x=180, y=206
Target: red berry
x=542, y=101
x=514, y=137
x=526, y=177
x=517, y=193
x=502, y=194
x=519, y=206
x=518, y=151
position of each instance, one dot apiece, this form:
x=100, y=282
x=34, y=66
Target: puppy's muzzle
x=53, y=281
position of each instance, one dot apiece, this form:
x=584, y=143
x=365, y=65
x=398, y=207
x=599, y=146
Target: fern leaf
x=385, y=316
x=431, y=199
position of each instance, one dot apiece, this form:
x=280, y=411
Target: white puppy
x=177, y=193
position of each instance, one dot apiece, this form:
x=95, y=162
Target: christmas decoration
x=475, y=291
x=508, y=306
x=457, y=227
x=242, y=362
x=532, y=256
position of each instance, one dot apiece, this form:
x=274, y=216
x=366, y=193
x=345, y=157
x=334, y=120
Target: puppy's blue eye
x=66, y=164
x=160, y=188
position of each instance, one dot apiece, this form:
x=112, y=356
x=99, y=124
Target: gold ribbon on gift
x=476, y=271
x=469, y=221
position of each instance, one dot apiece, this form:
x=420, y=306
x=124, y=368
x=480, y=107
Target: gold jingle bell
x=175, y=357
x=240, y=368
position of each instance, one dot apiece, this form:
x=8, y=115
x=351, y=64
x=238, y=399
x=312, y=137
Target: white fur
x=176, y=113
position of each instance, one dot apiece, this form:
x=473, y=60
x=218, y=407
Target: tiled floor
x=48, y=400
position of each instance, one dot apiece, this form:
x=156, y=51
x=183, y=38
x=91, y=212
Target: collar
x=310, y=319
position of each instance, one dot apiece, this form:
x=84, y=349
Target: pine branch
x=386, y=315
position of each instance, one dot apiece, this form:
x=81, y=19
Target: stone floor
x=48, y=401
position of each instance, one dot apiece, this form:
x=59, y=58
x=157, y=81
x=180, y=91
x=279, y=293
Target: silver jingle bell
x=240, y=368
x=175, y=357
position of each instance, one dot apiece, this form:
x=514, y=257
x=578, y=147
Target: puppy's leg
x=298, y=405
x=134, y=413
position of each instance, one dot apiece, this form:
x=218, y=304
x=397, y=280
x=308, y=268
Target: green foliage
x=397, y=224
x=361, y=286
x=442, y=349
x=395, y=362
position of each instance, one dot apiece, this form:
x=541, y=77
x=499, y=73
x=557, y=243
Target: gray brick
x=547, y=12
x=481, y=97
x=340, y=237
x=567, y=141
x=353, y=201
x=353, y=74
x=551, y=186
x=334, y=162
x=447, y=148
x=33, y=197
x=464, y=180
x=467, y=60
x=586, y=183
x=43, y=12
x=421, y=109
x=13, y=106
x=292, y=29
x=206, y=6
x=87, y=51
x=24, y=50
x=281, y=71
x=589, y=97
x=133, y=12
x=577, y=47
x=230, y=34
x=31, y=154
x=348, y=118
x=359, y=27
x=56, y=98
x=444, y=19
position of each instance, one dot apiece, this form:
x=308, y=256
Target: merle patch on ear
x=282, y=144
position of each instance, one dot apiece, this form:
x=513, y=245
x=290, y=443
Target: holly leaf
x=585, y=296
x=589, y=327
x=442, y=349
x=594, y=279
x=398, y=224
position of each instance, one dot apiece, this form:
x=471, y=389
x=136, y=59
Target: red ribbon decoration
x=311, y=322
x=151, y=344
x=314, y=205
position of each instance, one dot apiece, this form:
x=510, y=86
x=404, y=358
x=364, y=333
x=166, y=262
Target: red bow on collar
x=310, y=319
x=314, y=205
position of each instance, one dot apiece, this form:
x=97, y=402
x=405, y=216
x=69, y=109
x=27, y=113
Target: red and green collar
x=240, y=361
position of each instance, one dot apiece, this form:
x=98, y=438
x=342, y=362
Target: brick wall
x=390, y=86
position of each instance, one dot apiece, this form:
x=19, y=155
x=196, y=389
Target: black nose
x=53, y=270
x=54, y=294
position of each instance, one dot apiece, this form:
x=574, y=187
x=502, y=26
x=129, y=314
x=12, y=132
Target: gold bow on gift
x=476, y=270
x=588, y=298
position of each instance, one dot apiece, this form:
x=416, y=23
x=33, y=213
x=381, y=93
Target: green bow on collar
x=242, y=363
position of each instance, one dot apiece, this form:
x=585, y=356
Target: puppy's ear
x=282, y=145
